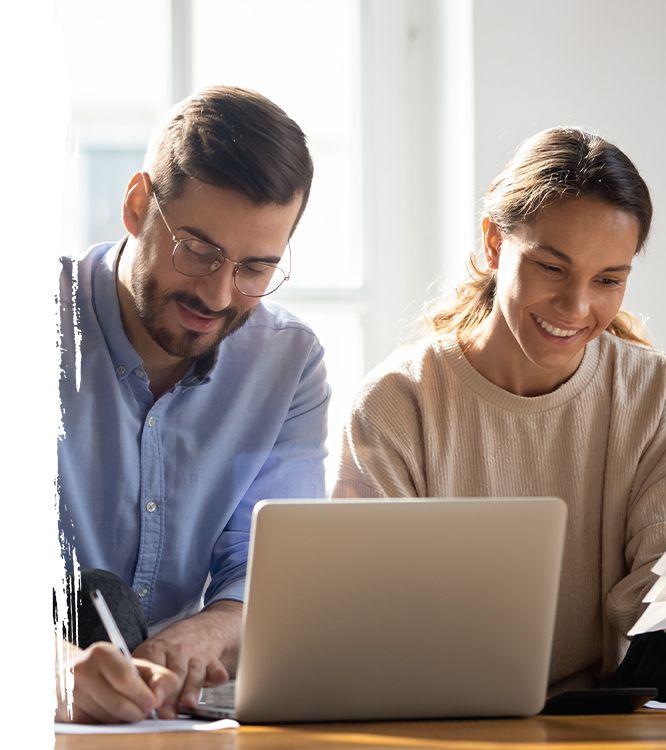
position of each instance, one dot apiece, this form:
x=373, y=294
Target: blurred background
x=410, y=108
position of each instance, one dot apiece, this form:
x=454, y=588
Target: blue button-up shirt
x=161, y=491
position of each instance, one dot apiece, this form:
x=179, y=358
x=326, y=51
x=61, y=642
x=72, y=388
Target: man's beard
x=150, y=305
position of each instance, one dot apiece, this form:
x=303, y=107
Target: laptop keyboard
x=220, y=695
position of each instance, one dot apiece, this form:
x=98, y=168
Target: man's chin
x=193, y=344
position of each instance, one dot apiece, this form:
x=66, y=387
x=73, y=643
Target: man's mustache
x=194, y=303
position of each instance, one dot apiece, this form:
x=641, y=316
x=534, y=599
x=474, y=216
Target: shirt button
x=121, y=370
x=151, y=507
x=152, y=421
x=140, y=373
x=142, y=591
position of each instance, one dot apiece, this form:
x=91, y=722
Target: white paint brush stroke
x=34, y=112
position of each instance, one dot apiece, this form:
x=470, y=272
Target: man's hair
x=231, y=138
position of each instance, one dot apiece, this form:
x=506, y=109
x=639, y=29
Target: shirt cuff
x=234, y=591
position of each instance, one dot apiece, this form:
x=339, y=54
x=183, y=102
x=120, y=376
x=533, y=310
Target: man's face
x=189, y=316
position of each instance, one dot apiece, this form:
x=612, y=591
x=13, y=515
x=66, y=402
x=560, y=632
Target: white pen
x=112, y=629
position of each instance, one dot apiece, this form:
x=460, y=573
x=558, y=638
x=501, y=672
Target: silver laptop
x=397, y=609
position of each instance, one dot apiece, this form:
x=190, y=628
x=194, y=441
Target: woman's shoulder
x=631, y=354
x=407, y=375
x=641, y=368
x=412, y=363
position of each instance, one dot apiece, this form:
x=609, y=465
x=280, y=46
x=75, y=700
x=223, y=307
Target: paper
x=148, y=726
x=654, y=617
x=660, y=566
x=658, y=592
x=655, y=704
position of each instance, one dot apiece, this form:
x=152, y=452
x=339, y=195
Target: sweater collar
x=473, y=380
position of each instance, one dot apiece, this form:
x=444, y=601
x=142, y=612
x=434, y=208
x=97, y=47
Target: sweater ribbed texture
x=427, y=424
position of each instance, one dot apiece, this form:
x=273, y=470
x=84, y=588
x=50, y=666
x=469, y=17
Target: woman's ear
x=135, y=202
x=492, y=241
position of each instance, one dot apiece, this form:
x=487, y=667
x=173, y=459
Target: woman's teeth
x=559, y=332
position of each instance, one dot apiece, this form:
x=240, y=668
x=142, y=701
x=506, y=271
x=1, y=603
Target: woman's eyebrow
x=557, y=253
x=566, y=259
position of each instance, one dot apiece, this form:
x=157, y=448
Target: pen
x=112, y=629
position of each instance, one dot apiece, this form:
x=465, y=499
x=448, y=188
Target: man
x=187, y=396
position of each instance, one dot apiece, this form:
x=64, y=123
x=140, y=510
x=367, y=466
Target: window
x=303, y=54
x=362, y=78
x=120, y=86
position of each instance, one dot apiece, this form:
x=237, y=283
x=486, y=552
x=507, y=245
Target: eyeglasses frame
x=235, y=263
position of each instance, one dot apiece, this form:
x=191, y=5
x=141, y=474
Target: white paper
x=653, y=619
x=658, y=591
x=148, y=726
x=655, y=704
x=660, y=566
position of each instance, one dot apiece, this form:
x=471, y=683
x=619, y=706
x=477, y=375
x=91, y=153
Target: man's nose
x=217, y=289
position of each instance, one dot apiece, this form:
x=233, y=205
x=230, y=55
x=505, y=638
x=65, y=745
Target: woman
x=535, y=383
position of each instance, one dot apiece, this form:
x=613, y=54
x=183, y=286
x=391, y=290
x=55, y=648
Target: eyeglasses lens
x=254, y=279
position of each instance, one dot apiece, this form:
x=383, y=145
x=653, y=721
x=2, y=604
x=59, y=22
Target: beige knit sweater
x=427, y=424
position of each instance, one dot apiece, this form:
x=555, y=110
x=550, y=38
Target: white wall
x=451, y=87
x=600, y=64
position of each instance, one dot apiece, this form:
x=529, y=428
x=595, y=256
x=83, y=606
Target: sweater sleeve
x=645, y=533
x=382, y=452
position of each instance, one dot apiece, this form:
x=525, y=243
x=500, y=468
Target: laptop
x=396, y=609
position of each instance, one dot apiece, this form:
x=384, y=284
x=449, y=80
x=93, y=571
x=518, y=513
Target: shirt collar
x=107, y=307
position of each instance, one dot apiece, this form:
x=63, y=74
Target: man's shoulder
x=271, y=315
x=272, y=333
x=76, y=270
x=89, y=256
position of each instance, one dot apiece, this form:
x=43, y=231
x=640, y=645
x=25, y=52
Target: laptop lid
x=399, y=608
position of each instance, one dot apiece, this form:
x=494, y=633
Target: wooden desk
x=642, y=730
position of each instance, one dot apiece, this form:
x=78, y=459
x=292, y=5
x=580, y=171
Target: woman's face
x=560, y=282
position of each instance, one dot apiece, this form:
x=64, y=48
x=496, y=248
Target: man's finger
x=194, y=682
x=216, y=674
x=152, y=652
x=104, y=705
x=161, y=681
x=121, y=676
x=108, y=688
x=180, y=667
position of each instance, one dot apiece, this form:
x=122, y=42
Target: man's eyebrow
x=273, y=260
x=566, y=259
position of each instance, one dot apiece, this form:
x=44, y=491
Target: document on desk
x=654, y=616
x=148, y=726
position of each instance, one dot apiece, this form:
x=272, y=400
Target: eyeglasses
x=196, y=258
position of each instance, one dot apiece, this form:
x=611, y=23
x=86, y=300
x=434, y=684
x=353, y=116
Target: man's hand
x=202, y=650
x=108, y=689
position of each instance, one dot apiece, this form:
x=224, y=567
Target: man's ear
x=492, y=242
x=136, y=202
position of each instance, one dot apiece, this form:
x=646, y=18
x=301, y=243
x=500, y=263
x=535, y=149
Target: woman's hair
x=555, y=164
